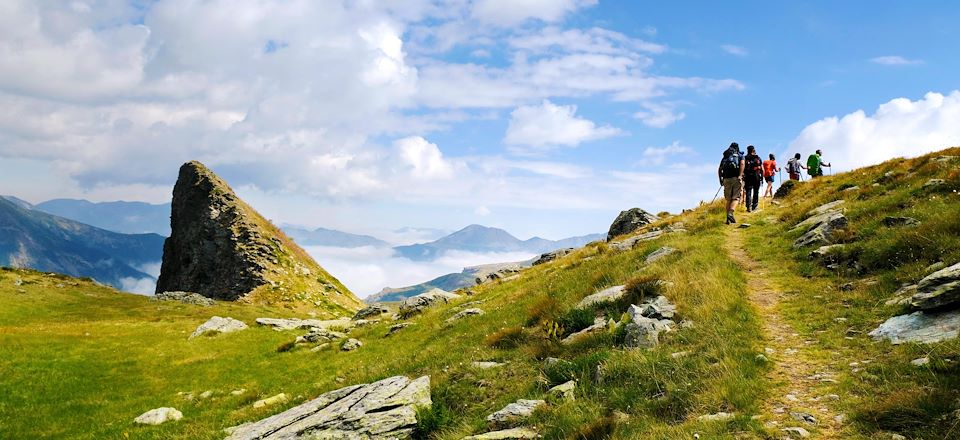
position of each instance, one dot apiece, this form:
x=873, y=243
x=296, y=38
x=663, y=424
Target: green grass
x=81, y=361
x=885, y=393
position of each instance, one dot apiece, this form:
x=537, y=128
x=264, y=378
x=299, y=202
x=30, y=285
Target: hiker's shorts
x=731, y=188
x=769, y=179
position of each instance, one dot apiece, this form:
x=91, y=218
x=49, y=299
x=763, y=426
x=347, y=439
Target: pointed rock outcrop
x=222, y=248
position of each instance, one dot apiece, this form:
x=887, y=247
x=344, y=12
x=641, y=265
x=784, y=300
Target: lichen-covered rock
x=629, y=242
x=552, y=255
x=379, y=411
x=463, y=314
x=629, y=221
x=320, y=335
x=158, y=415
x=826, y=253
x=222, y=248
x=351, y=344
x=506, y=434
x=217, y=324
x=609, y=294
x=599, y=324
x=924, y=327
x=564, y=391
x=659, y=253
x=820, y=228
x=939, y=289
x=185, y=297
x=419, y=303
x=513, y=413
x=371, y=311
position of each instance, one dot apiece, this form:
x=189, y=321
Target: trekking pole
x=717, y=194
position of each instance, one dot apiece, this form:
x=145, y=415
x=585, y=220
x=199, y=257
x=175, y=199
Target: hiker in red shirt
x=769, y=170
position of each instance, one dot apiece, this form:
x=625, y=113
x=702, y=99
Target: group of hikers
x=741, y=175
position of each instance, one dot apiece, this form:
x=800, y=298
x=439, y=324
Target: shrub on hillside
x=510, y=337
x=430, y=420
x=545, y=308
x=599, y=429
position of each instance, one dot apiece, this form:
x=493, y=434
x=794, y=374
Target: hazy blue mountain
x=330, y=237
x=19, y=202
x=477, y=238
x=37, y=240
x=125, y=217
x=448, y=282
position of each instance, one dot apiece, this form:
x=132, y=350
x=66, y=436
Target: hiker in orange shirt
x=769, y=171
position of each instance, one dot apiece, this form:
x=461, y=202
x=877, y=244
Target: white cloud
x=658, y=115
x=735, y=50
x=548, y=125
x=482, y=211
x=367, y=270
x=898, y=128
x=142, y=286
x=594, y=40
x=513, y=12
x=894, y=60
x=424, y=158
x=673, y=152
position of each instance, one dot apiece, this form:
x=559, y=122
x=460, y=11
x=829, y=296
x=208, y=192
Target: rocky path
x=801, y=376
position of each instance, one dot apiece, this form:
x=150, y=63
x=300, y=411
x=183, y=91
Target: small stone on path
x=919, y=362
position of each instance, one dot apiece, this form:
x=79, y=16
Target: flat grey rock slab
x=606, y=295
x=381, y=410
x=418, y=303
x=923, y=327
x=628, y=243
x=465, y=313
x=659, y=253
x=513, y=413
x=218, y=324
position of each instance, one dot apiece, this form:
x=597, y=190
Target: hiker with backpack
x=769, y=171
x=752, y=177
x=730, y=173
x=794, y=168
x=815, y=164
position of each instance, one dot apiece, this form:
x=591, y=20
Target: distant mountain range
x=330, y=237
x=33, y=239
x=448, y=282
x=124, y=217
x=477, y=238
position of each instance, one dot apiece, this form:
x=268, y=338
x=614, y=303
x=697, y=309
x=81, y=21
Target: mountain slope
x=222, y=248
x=124, y=217
x=331, y=237
x=477, y=238
x=449, y=282
x=722, y=372
x=36, y=240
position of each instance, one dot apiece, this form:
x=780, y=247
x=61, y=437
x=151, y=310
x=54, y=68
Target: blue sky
x=544, y=117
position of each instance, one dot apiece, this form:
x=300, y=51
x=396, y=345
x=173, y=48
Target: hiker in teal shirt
x=815, y=164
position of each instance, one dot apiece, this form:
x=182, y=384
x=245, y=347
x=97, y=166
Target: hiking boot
x=730, y=219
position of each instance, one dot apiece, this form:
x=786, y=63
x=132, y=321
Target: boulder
x=659, y=253
x=217, y=324
x=628, y=243
x=222, y=248
x=934, y=182
x=397, y=327
x=643, y=331
x=506, y=434
x=892, y=222
x=923, y=327
x=609, y=294
x=351, y=344
x=939, y=289
x=371, y=311
x=185, y=297
x=382, y=410
x=320, y=335
x=599, y=325
x=832, y=206
x=629, y=221
x=158, y=415
x=513, y=413
x=564, y=391
x=419, y=303
x=282, y=324
x=552, y=255
x=463, y=314
x=657, y=308
x=826, y=253
x=785, y=189
x=821, y=228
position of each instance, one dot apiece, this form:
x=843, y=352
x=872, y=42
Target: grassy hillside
x=81, y=361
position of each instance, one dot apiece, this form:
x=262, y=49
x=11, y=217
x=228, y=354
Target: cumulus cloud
x=513, y=12
x=735, y=50
x=658, y=156
x=424, y=158
x=894, y=60
x=897, y=128
x=549, y=125
x=658, y=115
x=142, y=286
